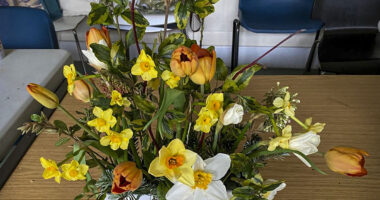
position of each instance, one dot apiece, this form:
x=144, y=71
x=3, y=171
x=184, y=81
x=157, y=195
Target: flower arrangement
x=173, y=123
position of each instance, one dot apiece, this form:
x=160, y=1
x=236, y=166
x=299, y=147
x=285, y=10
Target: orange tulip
x=44, y=96
x=126, y=177
x=183, y=62
x=207, y=65
x=345, y=160
x=95, y=35
x=82, y=91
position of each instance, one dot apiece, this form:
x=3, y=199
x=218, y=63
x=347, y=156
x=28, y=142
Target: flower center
x=101, y=122
x=175, y=161
x=51, y=169
x=184, y=57
x=206, y=120
x=202, y=179
x=73, y=173
x=216, y=105
x=144, y=66
x=115, y=139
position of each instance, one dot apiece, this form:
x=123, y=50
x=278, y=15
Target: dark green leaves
x=203, y=8
x=242, y=164
x=130, y=39
x=99, y=14
x=140, y=20
x=171, y=43
x=144, y=105
x=101, y=52
x=241, y=81
x=61, y=141
x=182, y=13
x=118, y=54
x=221, y=70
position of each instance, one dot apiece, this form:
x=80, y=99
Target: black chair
x=350, y=40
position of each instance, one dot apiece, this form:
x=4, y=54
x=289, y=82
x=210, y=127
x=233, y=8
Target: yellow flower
x=104, y=120
x=284, y=105
x=70, y=74
x=214, y=102
x=282, y=141
x=51, y=170
x=170, y=78
x=206, y=119
x=44, y=96
x=74, y=171
x=316, y=128
x=119, y=100
x=174, y=162
x=144, y=67
x=117, y=140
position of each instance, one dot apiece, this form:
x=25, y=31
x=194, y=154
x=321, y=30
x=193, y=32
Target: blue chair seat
x=277, y=26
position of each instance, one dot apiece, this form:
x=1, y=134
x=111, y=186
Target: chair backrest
x=26, y=28
x=274, y=14
x=348, y=13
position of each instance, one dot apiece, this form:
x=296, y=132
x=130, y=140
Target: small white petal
x=218, y=165
x=93, y=60
x=180, y=191
x=216, y=191
x=303, y=160
x=199, y=164
x=199, y=194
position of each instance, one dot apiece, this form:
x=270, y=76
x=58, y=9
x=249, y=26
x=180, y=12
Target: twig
x=134, y=25
x=262, y=56
x=202, y=29
x=153, y=139
x=167, y=3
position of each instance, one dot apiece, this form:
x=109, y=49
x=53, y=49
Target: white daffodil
x=283, y=104
x=207, y=175
x=306, y=143
x=93, y=60
x=271, y=194
x=233, y=115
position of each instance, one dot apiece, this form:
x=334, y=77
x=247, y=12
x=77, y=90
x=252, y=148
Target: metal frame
x=235, y=44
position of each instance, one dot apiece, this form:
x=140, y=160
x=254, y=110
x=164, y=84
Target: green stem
x=275, y=128
x=134, y=153
x=219, y=127
x=202, y=90
x=202, y=29
x=179, y=130
x=94, y=135
x=88, y=77
x=299, y=122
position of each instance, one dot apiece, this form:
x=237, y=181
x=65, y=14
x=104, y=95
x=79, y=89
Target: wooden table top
x=350, y=105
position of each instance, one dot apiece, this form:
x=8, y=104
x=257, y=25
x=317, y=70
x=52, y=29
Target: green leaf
x=36, y=118
x=143, y=104
x=105, y=149
x=272, y=186
x=241, y=81
x=140, y=20
x=240, y=163
x=118, y=54
x=79, y=197
x=129, y=37
x=221, y=70
x=80, y=157
x=182, y=13
x=99, y=14
x=91, y=163
x=171, y=43
x=203, y=8
x=164, y=128
x=163, y=188
x=148, y=157
x=138, y=124
x=244, y=192
x=61, y=141
x=101, y=52
x=60, y=125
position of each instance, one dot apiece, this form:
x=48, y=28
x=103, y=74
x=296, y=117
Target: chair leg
x=311, y=54
x=79, y=51
x=235, y=44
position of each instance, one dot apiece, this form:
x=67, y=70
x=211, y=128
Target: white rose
x=306, y=143
x=233, y=115
x=93, y=60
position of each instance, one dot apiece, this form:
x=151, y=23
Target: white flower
x=306, y=143
x=93, y=60
x=233, y=115
x=207, y=175
x=270, y=195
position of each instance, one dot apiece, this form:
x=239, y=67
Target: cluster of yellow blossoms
x=209, y=114
x=71, y=172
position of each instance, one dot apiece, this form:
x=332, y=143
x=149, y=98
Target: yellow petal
x=127, y=133
x=278, y=102
x=105, y=141
x=287, y=96
x=186, y=175
x=176, y=146
x=98, y=112
x=156, y=169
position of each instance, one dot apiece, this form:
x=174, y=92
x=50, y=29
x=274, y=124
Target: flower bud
x=82, y=91
x=207, y=65
x=306, y=143
x=95, y=35
x=126, y=177
x=232, y=115
x=183, y=62
x=44, y=96
x=346, y=160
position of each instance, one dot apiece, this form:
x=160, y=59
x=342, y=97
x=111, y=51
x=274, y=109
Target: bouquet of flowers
x=173, y=123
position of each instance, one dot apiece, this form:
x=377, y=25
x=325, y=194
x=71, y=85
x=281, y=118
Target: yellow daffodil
x=206, y=119
x=70, y=74
x=316, y=128
x=283, y=104
x=144, y=67
x=51, y=170
x=175, y=163
x=117, y=140
x=282, y=141
x=214, y=102
x=119, y=100
x=104, y=120
x=74, y=171
x=154, y=83
x=170, y=79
